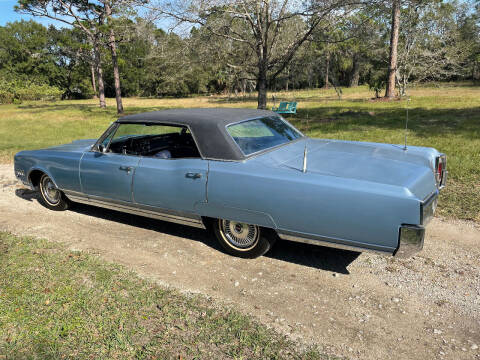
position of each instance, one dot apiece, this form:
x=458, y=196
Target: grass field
x=58, y=304
x=446, y=117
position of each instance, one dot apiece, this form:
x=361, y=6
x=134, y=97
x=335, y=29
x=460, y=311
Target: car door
x=171, y=184
x=108, y=175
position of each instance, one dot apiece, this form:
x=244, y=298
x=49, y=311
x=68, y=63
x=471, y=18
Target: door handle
x=126, y=168
x=192, y=175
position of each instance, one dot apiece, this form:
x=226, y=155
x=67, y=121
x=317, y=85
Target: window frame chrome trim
x=113, y=127
x=95, y=146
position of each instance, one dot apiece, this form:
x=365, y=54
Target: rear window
x=260, y=134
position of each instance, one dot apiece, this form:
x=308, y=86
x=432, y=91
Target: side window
x=159, y=141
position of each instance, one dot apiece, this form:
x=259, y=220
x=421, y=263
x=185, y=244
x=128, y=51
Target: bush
x=376, y=81
x=12, y=91
x=6, y=96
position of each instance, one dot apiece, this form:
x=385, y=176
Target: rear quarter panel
x=355, y=212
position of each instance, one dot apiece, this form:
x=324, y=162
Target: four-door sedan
x=250, y=176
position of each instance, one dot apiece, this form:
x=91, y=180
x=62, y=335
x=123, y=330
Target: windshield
x=259, y=134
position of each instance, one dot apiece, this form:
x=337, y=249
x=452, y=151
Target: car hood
x=372, y=162
x=75, y=146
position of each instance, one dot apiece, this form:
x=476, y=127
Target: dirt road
x=360, y=306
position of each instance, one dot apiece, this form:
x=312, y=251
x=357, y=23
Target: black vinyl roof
x=206, y=125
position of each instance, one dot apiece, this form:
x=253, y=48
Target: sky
x=7, y=14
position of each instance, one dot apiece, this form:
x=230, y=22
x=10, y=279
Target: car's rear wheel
x=242, y=239
x=50, y=196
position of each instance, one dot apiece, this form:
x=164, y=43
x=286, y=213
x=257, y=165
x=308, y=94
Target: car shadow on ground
x=317, y=257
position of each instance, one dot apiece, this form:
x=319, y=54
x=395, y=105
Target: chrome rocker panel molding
x=333, y=242
x=135, y=209
x=410, y=241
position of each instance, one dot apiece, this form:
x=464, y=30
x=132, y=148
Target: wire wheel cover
x=239, y=235
x=49, y=191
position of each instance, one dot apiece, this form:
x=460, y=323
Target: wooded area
x=115, y=48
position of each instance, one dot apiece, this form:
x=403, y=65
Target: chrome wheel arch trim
x=46, y=172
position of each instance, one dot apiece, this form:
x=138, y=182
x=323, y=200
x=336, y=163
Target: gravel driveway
x=359, y=306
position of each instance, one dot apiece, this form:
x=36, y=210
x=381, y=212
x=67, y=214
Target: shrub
x=13, y=91
x=376, y=81
x=6, y=96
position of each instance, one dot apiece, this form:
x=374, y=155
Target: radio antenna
x=406, y=128
x=305, y=157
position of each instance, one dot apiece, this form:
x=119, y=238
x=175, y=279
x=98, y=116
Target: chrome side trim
x=410, y=240
x=334, y=243
x=145, y=211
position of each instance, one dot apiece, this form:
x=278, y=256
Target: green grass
x=57, y=304
x=446, y=117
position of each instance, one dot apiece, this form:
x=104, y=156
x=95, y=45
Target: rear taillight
x=441, y=171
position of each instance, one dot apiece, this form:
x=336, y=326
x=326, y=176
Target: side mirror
x=102, y=148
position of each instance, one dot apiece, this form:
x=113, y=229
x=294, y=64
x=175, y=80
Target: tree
x=469, y=37
x=431, y=44
x=113, y=50
x=92, y=17
x=72, y=55
x=24, y=52
x=271, y=30
x=76, y=13
x=392, y=60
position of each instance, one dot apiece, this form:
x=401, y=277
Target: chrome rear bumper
x=410, y=240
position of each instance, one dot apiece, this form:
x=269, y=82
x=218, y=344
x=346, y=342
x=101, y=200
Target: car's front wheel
x=50, y=196
x=243, y=240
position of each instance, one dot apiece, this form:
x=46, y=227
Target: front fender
x=61, y=167
x=33, y=171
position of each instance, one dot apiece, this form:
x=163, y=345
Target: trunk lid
x=376, y=163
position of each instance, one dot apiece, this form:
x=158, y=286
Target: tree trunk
x=288, y=79
x=475, y=72
x=94, y=85
x=262, y=87
x=113, y=50
x=392, y=63
x=326, y=71
x=355, y=76
x=99, y=70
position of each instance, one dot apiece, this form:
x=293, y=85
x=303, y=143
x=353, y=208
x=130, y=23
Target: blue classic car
x=249, y=176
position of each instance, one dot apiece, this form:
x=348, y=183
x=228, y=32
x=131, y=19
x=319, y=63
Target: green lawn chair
x=286, y=107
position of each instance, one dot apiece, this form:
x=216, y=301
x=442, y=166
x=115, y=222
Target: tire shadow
x=26, y=194
x=318, y=257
